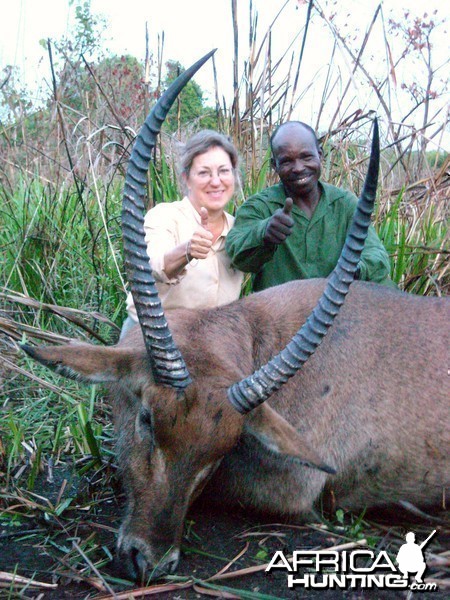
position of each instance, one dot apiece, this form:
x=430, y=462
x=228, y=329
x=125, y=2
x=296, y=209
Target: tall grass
x=56, y=249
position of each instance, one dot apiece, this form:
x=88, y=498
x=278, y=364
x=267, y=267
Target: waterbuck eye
x=145, y=417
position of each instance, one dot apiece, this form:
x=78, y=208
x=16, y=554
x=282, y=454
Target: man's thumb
x=287, y=209
x=204, y=217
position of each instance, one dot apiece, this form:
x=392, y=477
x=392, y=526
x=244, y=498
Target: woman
x=186, y=239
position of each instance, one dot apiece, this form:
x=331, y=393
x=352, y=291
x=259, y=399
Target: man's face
x=296, y=159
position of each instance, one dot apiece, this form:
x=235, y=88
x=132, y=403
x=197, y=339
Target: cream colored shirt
x=202, y=283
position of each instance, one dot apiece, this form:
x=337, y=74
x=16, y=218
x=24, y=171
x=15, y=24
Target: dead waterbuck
x=366, y=415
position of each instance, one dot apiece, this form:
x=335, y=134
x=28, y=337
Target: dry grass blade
x=357, y=61
x=264, y=535
x=242, y=572
x=347, y=546
x=230, y=564
x=300, y=58
x=71, y=314
x=151, y=590
x=8, y=579
x=215, y=593
x=11, y=366
x=15, y=330
x=75, y=575
x=104, y=583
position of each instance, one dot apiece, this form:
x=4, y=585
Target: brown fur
x=372, y=403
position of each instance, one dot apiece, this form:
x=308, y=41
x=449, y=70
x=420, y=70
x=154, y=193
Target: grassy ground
x=58, y=541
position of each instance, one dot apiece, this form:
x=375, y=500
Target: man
x=297, y=228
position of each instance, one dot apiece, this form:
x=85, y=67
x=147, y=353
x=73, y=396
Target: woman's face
x=211, y=180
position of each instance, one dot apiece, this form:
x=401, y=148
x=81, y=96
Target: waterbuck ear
x=279, y=437
x=88, y=363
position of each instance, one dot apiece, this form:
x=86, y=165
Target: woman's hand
x=200, y=243
x=198, y=246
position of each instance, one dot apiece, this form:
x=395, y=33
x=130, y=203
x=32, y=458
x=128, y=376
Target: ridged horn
x=166, y=361
x=255, y=389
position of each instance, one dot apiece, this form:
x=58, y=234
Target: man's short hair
x=287, y=123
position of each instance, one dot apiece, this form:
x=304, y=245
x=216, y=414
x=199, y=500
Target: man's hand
x=280, y=225
x=201, y=242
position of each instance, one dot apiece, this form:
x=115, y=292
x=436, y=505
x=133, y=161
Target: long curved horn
x=255, y=389
x=167, y=363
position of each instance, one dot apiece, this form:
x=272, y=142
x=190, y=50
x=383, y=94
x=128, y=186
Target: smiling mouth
x=303, y=179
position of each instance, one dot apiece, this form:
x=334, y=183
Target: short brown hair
x=201, y=142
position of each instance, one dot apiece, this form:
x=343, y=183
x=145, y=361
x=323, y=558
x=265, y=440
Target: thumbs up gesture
x=280, y=225
x=201, y=241
x=204, y=217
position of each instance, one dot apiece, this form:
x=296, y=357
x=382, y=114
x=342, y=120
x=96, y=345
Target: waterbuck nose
x=136, y=567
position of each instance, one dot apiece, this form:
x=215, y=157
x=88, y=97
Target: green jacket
x=312, y=249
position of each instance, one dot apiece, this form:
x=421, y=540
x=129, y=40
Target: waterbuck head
x=181, y=386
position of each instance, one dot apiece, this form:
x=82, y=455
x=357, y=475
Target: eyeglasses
x=206, y=174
